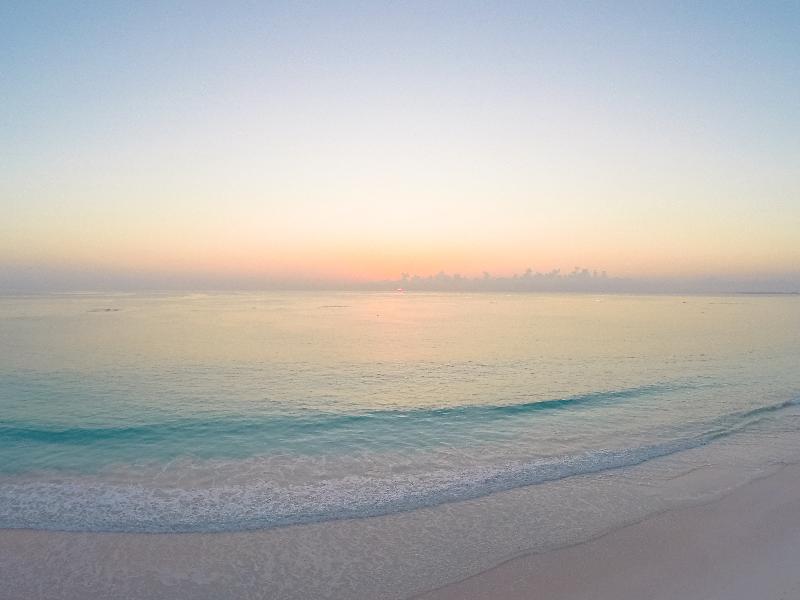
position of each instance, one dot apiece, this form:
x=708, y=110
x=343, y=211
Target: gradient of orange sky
x=351, y=143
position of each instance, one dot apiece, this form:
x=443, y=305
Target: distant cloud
x=18, y=279
x=585, y=280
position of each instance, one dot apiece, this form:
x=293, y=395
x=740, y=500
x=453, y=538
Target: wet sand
x=740, y=547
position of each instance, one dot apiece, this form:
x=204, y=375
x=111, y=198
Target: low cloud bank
x=47, y=279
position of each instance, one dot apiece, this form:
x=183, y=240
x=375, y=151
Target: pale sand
x=744, y=546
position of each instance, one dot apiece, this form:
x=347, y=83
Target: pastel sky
x=355, y=141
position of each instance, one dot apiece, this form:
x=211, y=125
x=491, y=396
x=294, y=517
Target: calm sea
x=224, y=412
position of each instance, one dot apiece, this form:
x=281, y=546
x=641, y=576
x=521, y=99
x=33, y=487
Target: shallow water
x=224, y=412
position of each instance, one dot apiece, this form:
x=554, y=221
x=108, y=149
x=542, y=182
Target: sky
x=225, y=143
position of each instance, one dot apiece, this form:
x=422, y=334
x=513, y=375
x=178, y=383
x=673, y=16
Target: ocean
x=227, y=412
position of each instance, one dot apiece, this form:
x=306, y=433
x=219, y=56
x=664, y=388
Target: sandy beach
x=740, y=547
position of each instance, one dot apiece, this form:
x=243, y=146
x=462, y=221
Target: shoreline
x=737, y=547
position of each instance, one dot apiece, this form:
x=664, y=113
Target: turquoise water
x=223, y=412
